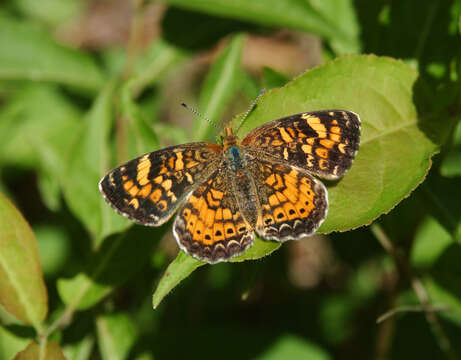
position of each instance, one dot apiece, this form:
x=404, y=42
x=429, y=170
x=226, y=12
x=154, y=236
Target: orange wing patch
x=210, y=226
x=291, y=208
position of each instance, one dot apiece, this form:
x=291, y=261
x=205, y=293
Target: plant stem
x=418, y=288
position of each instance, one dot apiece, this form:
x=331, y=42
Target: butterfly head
x=230, y=139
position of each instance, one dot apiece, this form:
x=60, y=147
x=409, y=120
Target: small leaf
x=430, y=241
x=220, y=85
x=444, y=206
x=451, y=163
x=22, y=289
x=50, y=351
x=118, y=259
x=87, y=163
x=178, y=270
x=80, y=350
x=293, y=347
x=116, y=336
x=54, y=247
x=29, y=53
x=333, y=19
x=11, y=343
x=442, y=296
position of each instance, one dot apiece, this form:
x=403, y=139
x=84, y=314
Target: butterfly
x=267, y=183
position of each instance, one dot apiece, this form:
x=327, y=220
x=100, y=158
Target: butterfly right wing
x=149, y=189
x=323, y=142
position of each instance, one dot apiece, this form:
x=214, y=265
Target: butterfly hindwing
x=210, y=226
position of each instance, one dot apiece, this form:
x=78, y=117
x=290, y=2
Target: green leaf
x=333, y=19
x=29, y=53
x=22, y=289
x=219, y=87
x=395, y=149
x=272, y=78
x=11, y=344
x=423, y=30
x=178, y=270
x=80, y=350
x=54, y=247
x=41, y=116
x=116, y=336
x=139, y=134
x=445, y=285
x=444, y=206
x=152, y=65
x=386, y=169
x=50, y=351
x=52, y=12
x=293, y=347
x=430, y=241
x=442, y=296
x=117, y=260
x=259, y=249
x=451, y=163
x=87, y=163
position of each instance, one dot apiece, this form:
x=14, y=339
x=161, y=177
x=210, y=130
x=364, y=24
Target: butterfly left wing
x=210, y=225
x=149, y=189
x=322, y=142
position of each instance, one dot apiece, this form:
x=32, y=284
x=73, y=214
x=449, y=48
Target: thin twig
x=386, y=330
x=418, y=288
x=414, y=308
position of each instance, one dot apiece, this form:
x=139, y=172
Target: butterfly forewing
x=323, y=142
x=149, y=189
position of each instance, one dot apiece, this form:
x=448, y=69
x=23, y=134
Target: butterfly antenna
x=253, y=104
x=196, y=113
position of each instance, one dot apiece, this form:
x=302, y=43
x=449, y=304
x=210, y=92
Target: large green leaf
x=22, y=289
x=333, y=19
x=396, y=142
x=87, y=163
x=29, y=53
x=395, y=151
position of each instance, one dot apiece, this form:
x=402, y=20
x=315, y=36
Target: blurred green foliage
x=86, y=85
